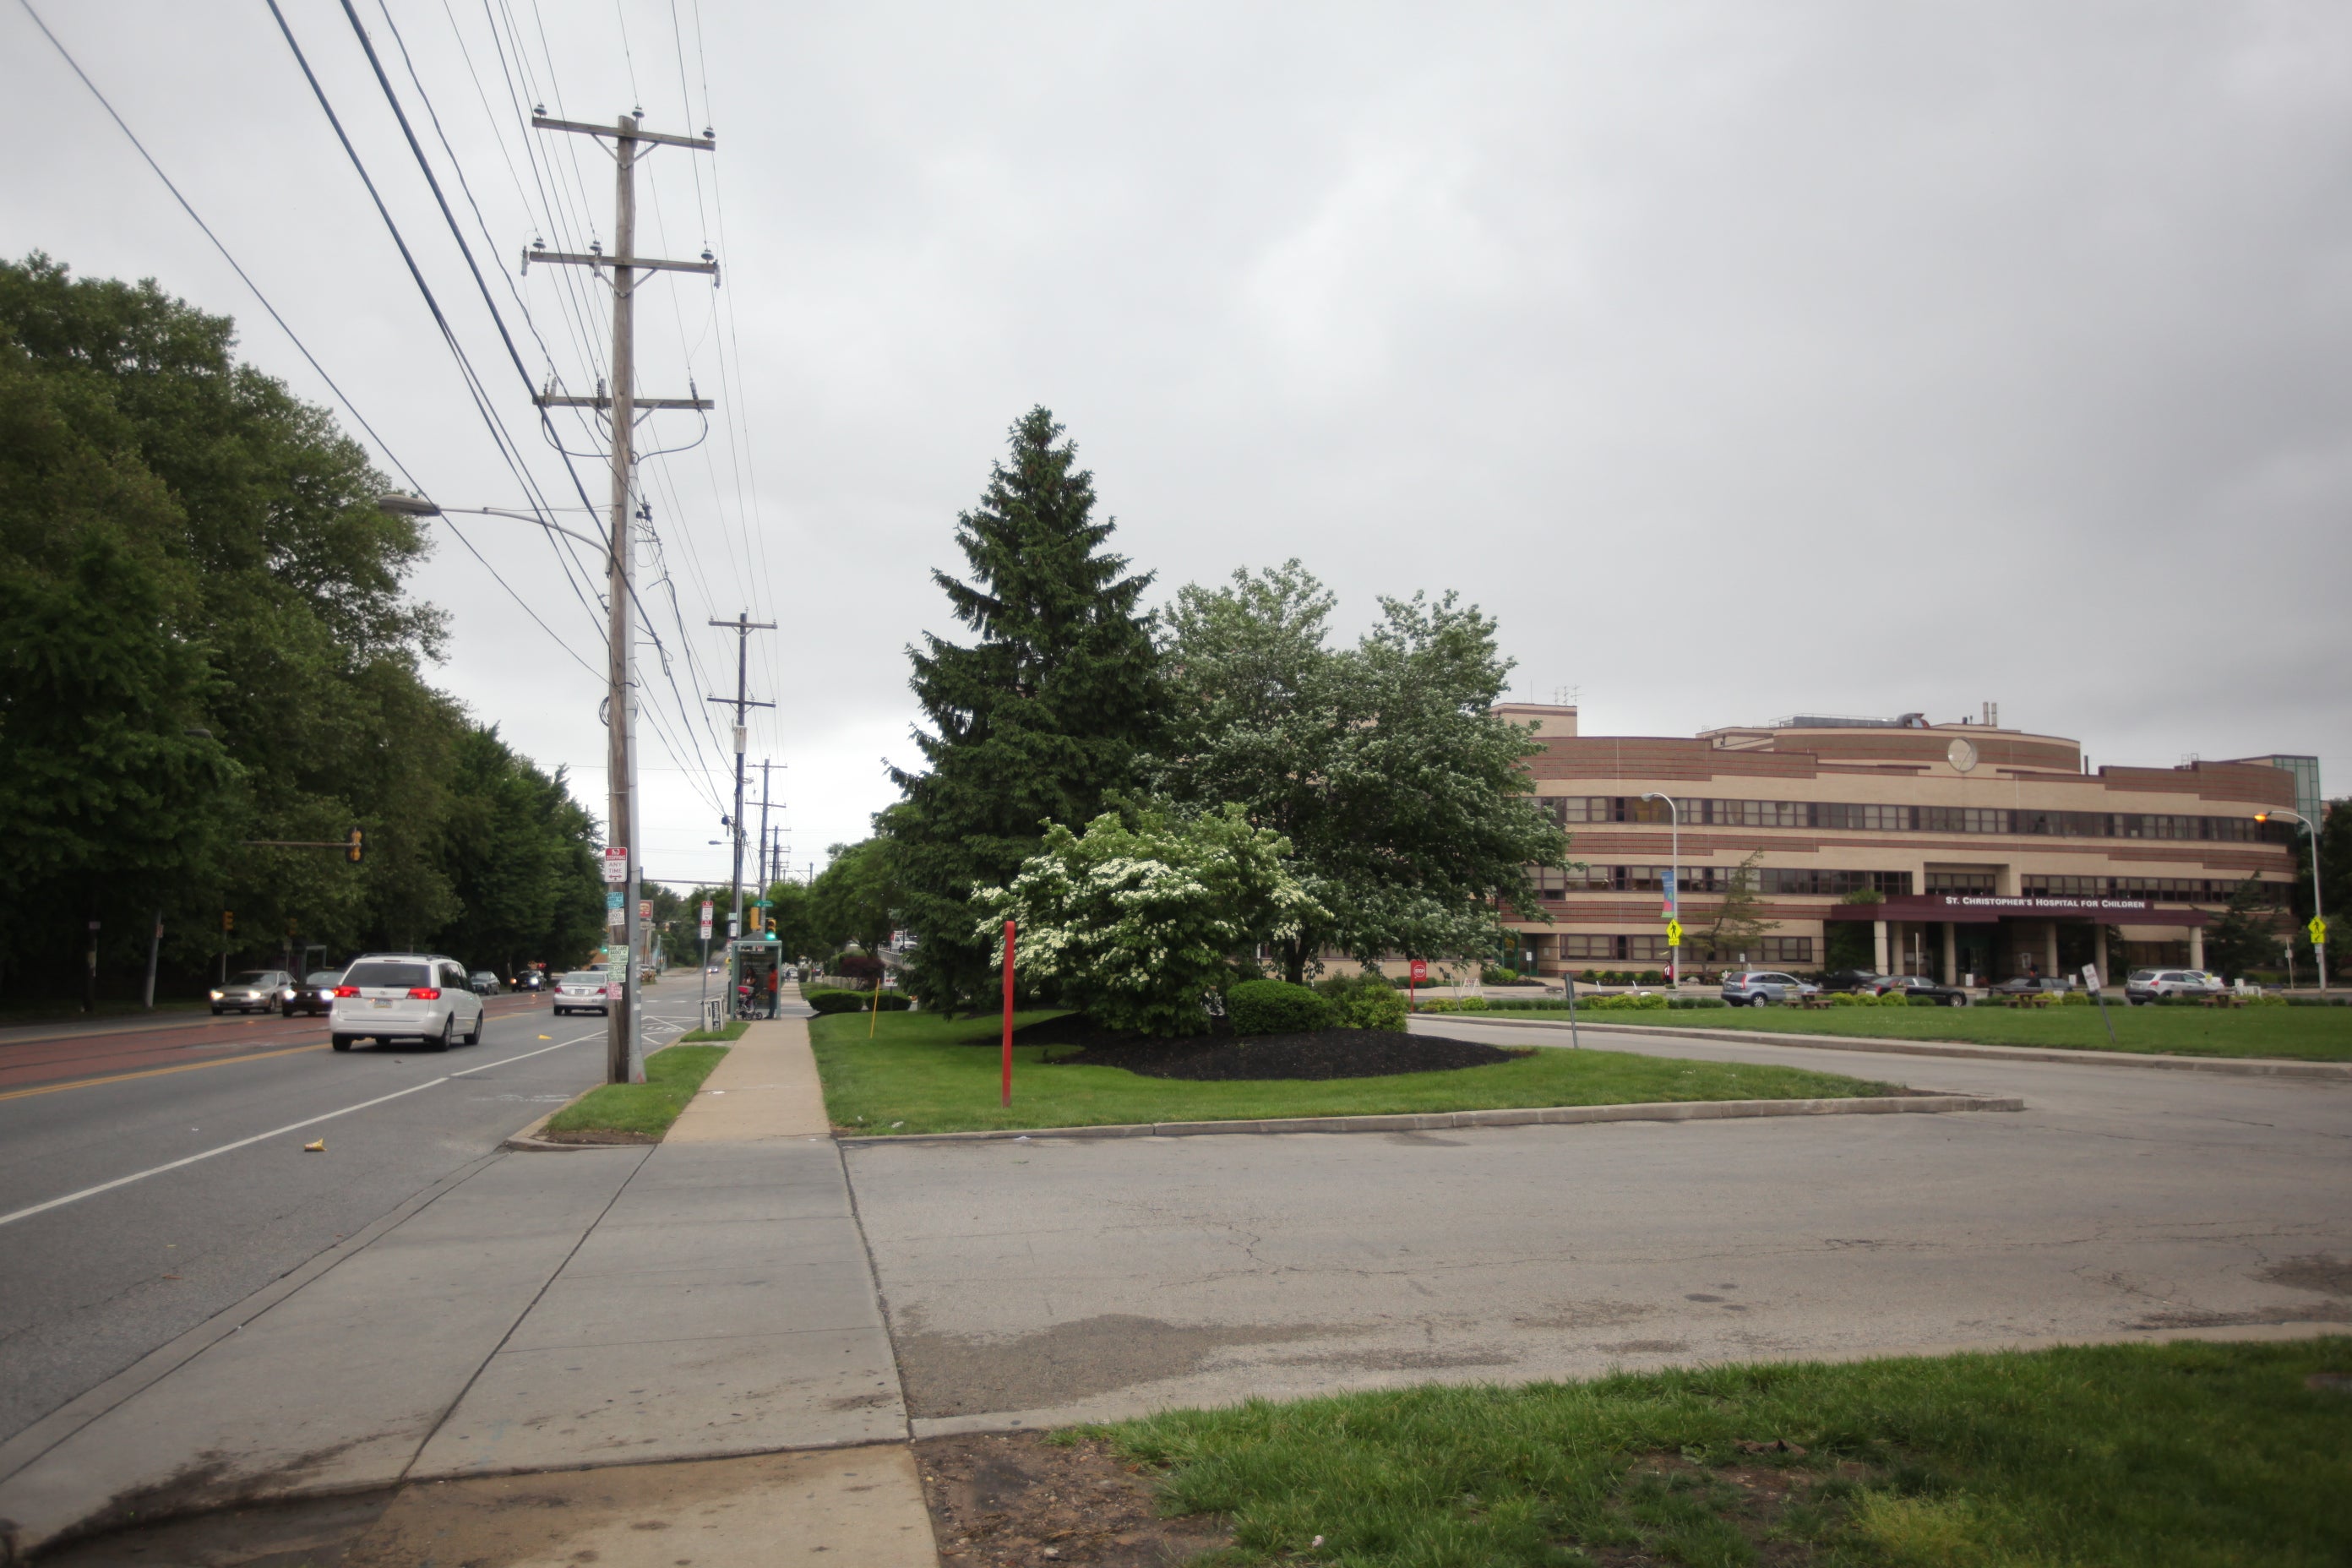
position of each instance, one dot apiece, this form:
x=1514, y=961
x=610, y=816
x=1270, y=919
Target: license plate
x=380, y=1002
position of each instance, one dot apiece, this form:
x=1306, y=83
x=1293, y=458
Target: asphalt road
x=1075, y=1279
x=92, y=1283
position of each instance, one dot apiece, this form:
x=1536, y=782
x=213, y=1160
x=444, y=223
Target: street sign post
x=1419, y=972
x=2090, y=979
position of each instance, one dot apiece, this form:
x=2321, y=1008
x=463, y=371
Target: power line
x=292, y=336
x=295, y=338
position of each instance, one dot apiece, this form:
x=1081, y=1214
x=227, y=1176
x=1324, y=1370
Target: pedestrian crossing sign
x=2318, y=928
x=1673, y=933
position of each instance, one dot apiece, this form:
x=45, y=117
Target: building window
x=1972, y=881
x=1855, y=817
x=1787, y=950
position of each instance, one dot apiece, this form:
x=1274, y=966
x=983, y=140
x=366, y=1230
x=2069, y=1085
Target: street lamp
x=1674, y=876
x=417, y=506
x=624, y=1055
x=2318, y=915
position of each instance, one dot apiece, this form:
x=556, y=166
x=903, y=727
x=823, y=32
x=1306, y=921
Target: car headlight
x=216, y=995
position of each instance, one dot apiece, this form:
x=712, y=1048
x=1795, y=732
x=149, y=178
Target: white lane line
x=274, y=1132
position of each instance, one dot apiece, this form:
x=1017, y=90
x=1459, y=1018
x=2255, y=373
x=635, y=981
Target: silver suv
x=386, y=996
x=1756, y=987
x=2147, y=984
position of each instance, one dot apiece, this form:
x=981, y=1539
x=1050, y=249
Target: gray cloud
x=1856, y=357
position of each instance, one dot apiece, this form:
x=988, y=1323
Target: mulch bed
x=1323, y=1055
x=1019, y=1499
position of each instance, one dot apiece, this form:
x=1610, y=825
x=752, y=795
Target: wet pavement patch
x=956, y=1374
x=1027, y=1499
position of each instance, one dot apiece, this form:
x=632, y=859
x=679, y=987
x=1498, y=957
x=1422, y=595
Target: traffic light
x=355, y=847
x=229, y=921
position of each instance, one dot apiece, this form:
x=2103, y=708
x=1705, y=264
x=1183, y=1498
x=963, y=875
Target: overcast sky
x=1743, y=361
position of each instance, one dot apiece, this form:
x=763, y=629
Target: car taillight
x=425, y=993
x=347, y=990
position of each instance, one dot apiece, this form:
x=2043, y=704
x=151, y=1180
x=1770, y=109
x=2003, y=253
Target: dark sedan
x=313, y=994
x=1852, y=980
x=1921, y=989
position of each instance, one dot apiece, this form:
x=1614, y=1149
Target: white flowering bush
x=1134, y=923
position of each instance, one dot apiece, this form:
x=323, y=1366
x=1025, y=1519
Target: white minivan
x=421, y=997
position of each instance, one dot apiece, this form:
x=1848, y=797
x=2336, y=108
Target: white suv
x=2147, y=984
x=405, y=996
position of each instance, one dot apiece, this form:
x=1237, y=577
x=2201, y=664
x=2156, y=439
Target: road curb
x=1877, y=1045
x=1929, y=1102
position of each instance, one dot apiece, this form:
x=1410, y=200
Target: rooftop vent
x=1844, y=722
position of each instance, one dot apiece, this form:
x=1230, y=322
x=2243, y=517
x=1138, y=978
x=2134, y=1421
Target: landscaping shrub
x=837, y=1001
x=1652, y=977
x=1630, y=1002
x=1471, y=1005
x=1362, y=1002
x=1688, y=1002
x=1894, y=999
x=1277, y=1007
x=1496, y=975
x=2074, y=999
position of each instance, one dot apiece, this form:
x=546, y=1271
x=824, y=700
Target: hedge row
x=855, y=1001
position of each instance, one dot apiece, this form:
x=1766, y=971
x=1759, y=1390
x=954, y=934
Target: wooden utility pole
x=742, y=626
x=624, y=1053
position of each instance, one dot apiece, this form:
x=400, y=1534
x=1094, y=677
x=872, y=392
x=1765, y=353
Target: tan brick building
x=1995, y=853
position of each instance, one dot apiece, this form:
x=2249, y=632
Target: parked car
x=487, y=983
x=1852, y=980
x=252, y=990
x=583, y=991
x=1756, y=987
x=386, y=996
x=2147, y=984
x=2030, y=985
x=313, y=994
x=1920, y=988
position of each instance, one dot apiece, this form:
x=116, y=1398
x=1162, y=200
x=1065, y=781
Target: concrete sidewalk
x=706, y=1298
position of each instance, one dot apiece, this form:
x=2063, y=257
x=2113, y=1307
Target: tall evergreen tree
x=1037, y=720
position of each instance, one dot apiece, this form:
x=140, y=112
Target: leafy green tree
x=520, y=856
x=2334, y=886
x=1135, y=921
x=1852, y=945
x=206, y=641
x=1740, y=925
x=2246, y=937
x=791, y=911
x=1040, y=718
x=1406, y=803
x=855, y=900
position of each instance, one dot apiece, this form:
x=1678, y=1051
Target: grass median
x=636, y=1112
x=2297, y=1034
x=922, y=1072
x=2179, y=1454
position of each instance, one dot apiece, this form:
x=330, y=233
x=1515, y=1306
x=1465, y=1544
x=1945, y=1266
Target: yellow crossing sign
x=1673, y=933
x=2318, y=928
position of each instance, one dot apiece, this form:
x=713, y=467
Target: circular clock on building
x=1963, y=754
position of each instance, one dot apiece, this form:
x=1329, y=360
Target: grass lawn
x=2181, y=1455
x=925, y=1073
x=2303, y=1034
x=646, y=1109
x=730, y=1030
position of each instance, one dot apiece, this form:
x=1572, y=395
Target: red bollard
x=1008, y=1014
